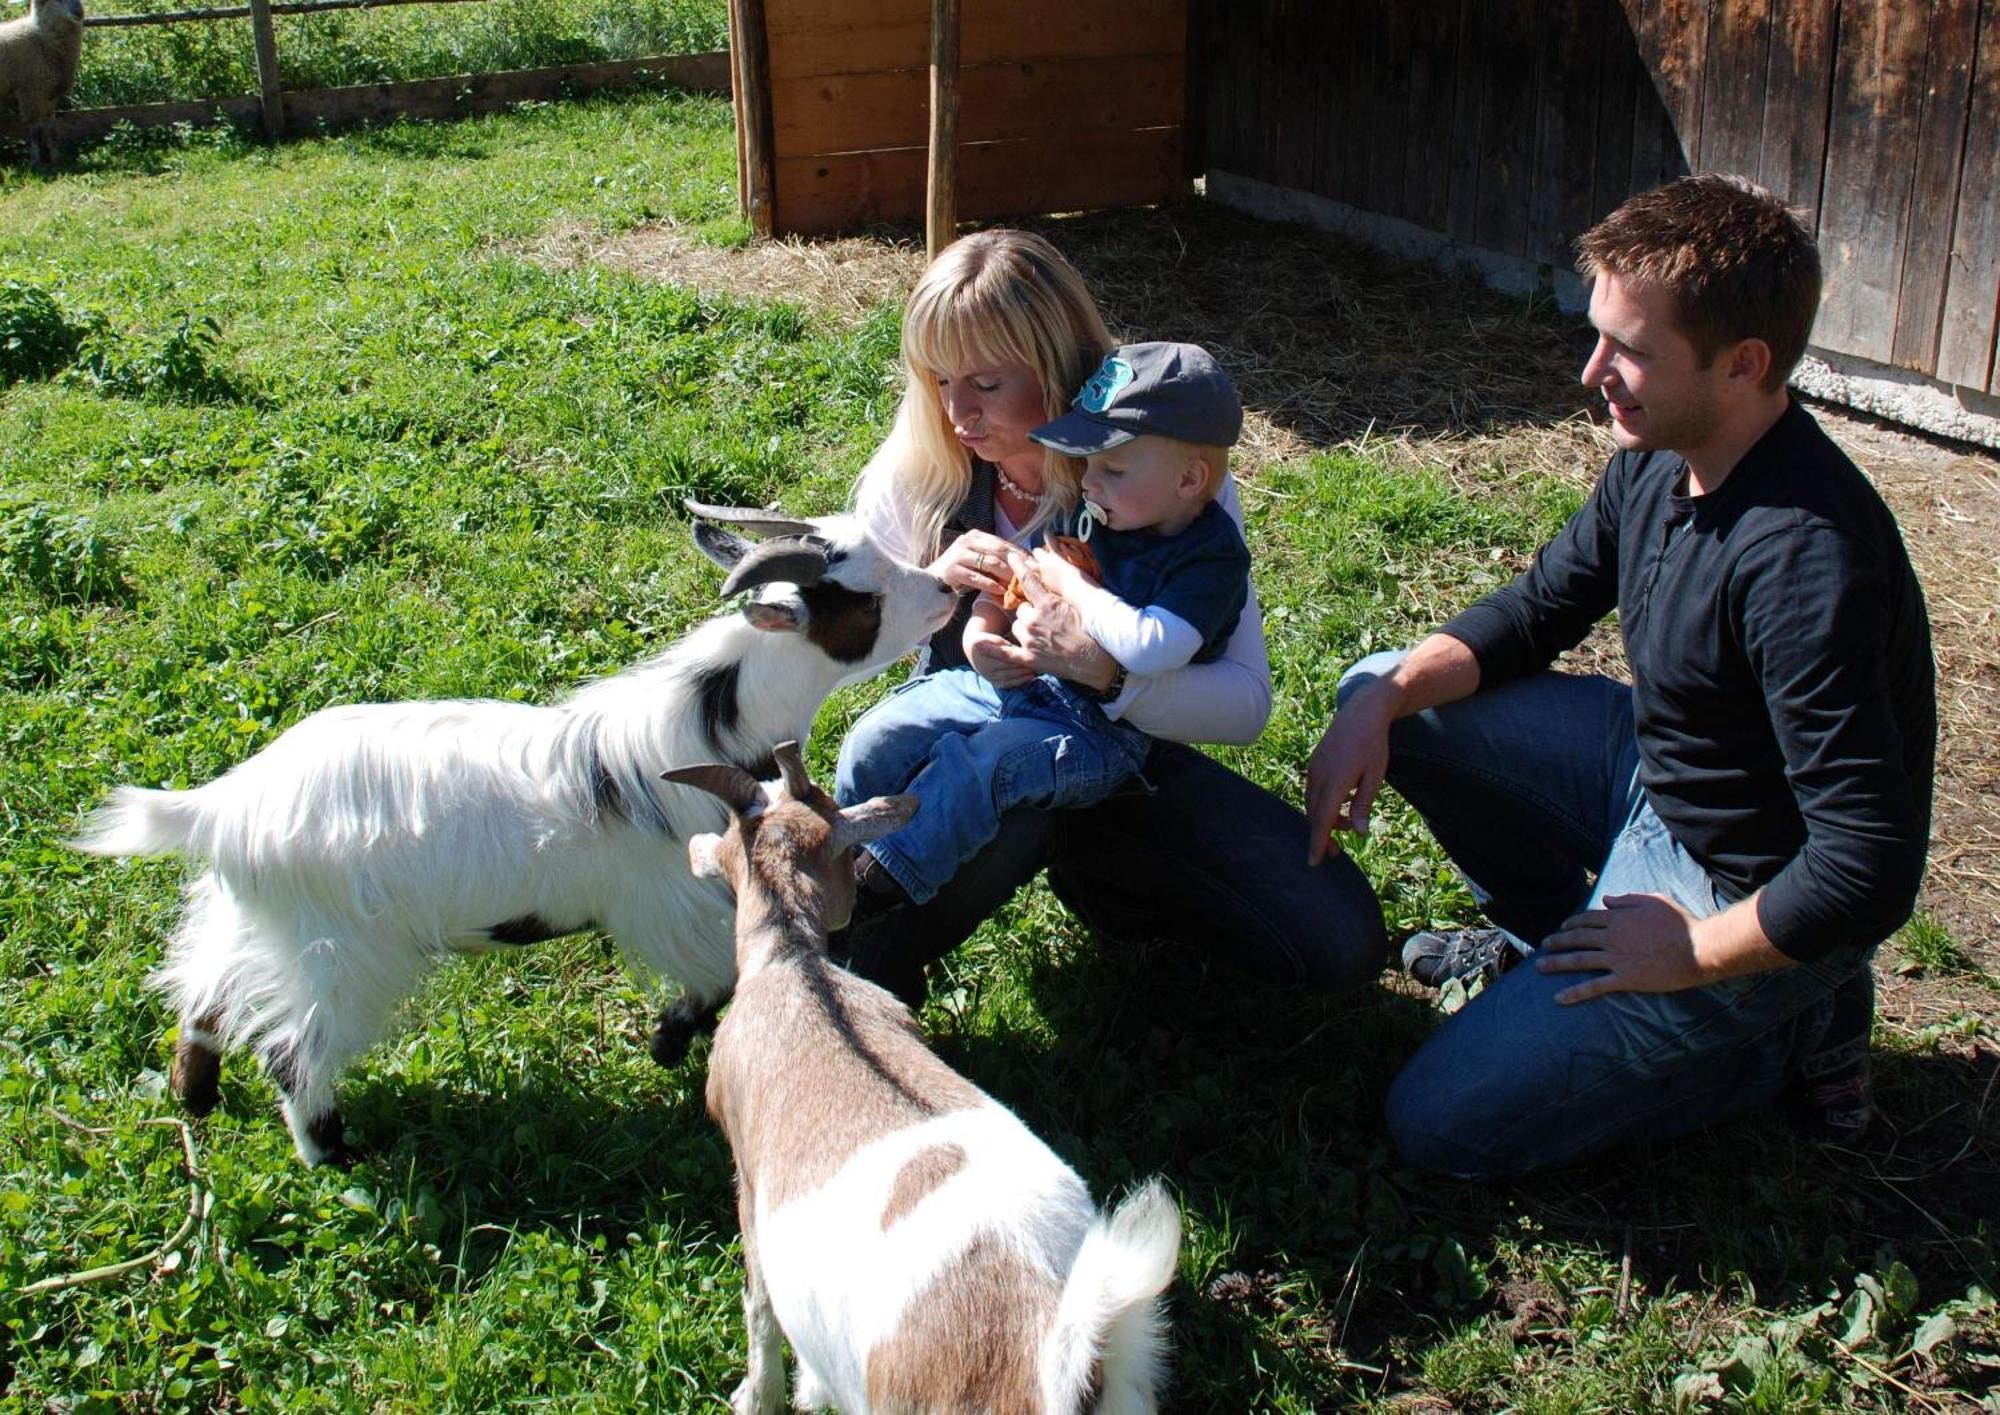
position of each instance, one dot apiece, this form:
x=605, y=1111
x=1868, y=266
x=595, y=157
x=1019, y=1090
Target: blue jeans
x=1531, y=787
x=1187, y=851
x=969, y=753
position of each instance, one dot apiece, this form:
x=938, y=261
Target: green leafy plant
x=180, y=366
x=62, y=556
x=37, y=337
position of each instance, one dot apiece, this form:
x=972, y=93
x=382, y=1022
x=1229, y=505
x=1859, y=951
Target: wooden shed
x=1483, y=131
x=1063, y=104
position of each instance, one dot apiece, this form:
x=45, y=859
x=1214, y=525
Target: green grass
x=1927, y=945
x=214, y=59
x=402, y=460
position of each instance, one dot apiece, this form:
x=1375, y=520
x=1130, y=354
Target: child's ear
x=1194, y=475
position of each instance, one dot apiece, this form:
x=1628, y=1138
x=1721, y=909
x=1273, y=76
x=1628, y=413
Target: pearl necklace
x=1007, y=483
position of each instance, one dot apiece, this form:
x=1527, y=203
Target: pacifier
x=1093, y=516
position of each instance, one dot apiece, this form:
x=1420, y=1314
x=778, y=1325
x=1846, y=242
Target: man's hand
x=1345, y=772
x=1635, y=943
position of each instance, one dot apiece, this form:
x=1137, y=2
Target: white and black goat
x=366, y=842
x=918, y=1246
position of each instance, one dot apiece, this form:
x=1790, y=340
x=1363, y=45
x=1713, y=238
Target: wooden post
x=753, y=80
x=267, y=68
x=941, y=193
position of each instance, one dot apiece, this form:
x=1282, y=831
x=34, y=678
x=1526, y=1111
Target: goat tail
x=1109, y=1322
x=135, y=821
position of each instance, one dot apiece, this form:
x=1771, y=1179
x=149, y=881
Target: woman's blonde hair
x=991, y=298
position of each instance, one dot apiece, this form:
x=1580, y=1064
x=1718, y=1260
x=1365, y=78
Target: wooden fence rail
x=277, y=108
x=244, y=12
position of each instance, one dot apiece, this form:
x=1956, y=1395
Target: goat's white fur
x=367, y=841
x=39, y=53
x=827, y=1268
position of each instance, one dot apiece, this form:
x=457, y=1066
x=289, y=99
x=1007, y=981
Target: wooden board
x=997, y=101
x=1507, y=126
x=1566, y=134
x=1972, y=288
x=1297, y=66
x=1798, y=80
x=1382, y=80
x=1735, y=71
x=1432, y=89
x=1622, y=89
x=862, y=36
x=1068, y=172
x=1940, y=149
x=1870, y=166
x=1461, y=212
x=1673, y=40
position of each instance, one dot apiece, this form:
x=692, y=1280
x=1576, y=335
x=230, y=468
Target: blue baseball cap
x=1154, y=389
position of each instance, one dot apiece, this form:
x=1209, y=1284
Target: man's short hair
x=1737, y=262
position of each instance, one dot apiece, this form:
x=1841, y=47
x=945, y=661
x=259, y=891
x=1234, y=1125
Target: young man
x=1754, y=808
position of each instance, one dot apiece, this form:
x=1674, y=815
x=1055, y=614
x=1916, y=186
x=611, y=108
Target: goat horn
x=732, y=785
x=793, y=560
x=797, y=784
x=750, y=518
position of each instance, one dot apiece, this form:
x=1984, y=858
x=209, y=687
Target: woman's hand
x=976, y=562
x=1051, y=638
x=1001, y=662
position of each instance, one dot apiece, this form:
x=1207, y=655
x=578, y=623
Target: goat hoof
x=196, y=1077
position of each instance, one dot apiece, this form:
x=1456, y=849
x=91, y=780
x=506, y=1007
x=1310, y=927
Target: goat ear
x=798, y=785
x=732, y=785
x=873, y=819
x=725, y=548
x=704, y=859
x=774, y=616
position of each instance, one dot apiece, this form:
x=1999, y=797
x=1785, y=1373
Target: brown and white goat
x=366, y=843
x=918, y=1246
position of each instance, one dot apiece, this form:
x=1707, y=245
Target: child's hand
x=1058, y=574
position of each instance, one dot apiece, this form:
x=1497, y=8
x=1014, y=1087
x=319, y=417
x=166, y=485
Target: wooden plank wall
x=1064, y=105
x=1512, y=125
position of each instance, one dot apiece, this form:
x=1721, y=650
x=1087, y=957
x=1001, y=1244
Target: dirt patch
x=1336, y=346
x=844, y=279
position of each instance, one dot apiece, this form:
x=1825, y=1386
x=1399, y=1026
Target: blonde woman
x=998, y=334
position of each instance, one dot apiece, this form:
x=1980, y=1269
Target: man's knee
x=1465, y=1126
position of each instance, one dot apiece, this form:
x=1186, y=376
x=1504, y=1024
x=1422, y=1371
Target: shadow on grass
x=1314, y=1251
x=542, y=1149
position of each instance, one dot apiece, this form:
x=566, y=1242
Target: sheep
x=38, y=58
x=368, y=841
x=918, y=1246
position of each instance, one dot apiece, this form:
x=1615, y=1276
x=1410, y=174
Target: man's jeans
x=970, y=753
x=1530, y=787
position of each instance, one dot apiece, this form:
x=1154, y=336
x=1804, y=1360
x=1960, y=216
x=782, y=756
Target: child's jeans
x=969, y=753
